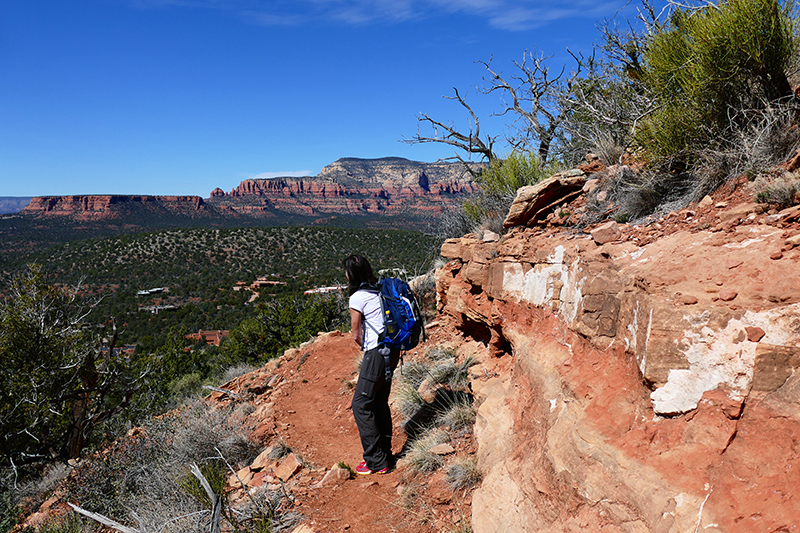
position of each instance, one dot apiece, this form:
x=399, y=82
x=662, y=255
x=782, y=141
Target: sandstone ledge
x=606, y=342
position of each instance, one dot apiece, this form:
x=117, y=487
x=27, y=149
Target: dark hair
x=358, y=271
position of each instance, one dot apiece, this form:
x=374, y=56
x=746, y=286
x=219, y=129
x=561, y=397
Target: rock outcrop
x=651, y=383
x=356, y=186
x=89, y=207
x=393, y=188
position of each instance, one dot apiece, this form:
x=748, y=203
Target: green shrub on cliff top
x=499, y=184
x=709, y=67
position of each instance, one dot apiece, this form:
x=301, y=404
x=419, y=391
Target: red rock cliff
x=636, y=387
x=348, y=187
x=351, y=186
x=105, y=206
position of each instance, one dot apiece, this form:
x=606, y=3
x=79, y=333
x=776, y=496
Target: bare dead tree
x=536, y=97
x=533, y=97
x=606, y=107
x=471, y=142
x=98, y=380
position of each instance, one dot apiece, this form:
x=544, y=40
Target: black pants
x=371, y=409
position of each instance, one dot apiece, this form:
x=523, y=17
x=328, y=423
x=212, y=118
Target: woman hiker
x=371, y=397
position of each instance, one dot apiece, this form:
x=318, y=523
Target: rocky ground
x=302, y=400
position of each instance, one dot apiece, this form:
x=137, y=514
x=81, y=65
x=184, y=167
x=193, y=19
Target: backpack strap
x=368, y=287
x=383, y=350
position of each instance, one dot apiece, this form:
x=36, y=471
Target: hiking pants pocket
x=371, y=374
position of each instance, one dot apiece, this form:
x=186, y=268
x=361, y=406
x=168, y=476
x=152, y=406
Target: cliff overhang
x=651, y=387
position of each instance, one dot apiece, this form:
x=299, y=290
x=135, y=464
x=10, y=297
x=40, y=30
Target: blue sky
x=183, y=96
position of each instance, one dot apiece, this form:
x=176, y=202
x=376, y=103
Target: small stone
x=245, y=474
x=775, y=218
x=490, y=236
x=687, y=299
x=262, y=460
x=442, y=449
x=289, y=467
x=705, y=202
x=591, y=185
x=754, y=334
x=776, y=255
x=726, y=295
x=334, y=476
x=721, y=205
x=428, y=390
x=608, y=232
x=259, y=478
x=793, y=240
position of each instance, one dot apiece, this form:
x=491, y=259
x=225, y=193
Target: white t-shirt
x=369, y=304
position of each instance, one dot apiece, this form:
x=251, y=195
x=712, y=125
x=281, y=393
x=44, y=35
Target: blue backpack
x=402, y=320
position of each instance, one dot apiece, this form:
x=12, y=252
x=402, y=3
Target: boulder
x=532, y=200
x=742, y=211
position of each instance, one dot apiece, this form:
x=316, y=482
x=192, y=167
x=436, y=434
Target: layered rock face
x=648, y=388
x=348, y=187
x=352, y=186
x=88, y=207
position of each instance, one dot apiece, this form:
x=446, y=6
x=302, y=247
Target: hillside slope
x=626, y=379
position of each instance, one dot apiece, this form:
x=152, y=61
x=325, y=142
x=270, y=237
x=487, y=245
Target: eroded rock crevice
x=621, y=406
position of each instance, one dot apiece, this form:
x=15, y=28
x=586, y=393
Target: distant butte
x=348, y=187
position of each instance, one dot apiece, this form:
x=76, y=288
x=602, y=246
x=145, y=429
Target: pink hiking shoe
x=364, y=470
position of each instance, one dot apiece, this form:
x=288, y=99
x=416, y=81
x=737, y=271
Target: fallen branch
x=216, y=501
x=105, y=521
x=224, y=391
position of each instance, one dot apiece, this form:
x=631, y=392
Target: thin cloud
x=509, y=15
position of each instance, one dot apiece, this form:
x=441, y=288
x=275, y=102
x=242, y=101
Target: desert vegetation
x=200, y=267
x=433, y=397
x=68, y=386
x=681, y=99
x=685, y=98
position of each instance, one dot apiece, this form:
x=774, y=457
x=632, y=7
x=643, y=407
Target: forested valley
x=112, y=316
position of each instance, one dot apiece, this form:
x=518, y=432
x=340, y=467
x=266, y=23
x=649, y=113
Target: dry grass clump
x=239, y=369
x=413, y=373
x=420, y=459
x=439, y=353
x=458, y=414
x=279, y=450
x=454, y=375
x=780, y=189
x=407, y=400
x=35, y=491
x=71, y=523
x=145, y=477
x=463, y=473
